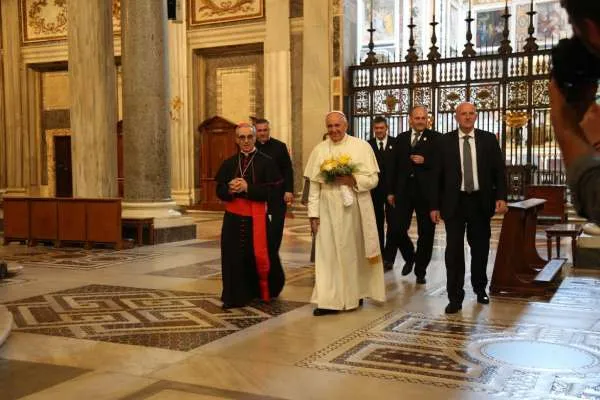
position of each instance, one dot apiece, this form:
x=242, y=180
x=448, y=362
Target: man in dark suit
x=284, y=194
x=383, y=147
x=408, y=191
x=471, y=187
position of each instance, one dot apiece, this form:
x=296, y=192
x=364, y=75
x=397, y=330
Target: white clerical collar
x=248, y=153
x=463, y=134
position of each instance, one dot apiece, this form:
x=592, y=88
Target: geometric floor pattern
x=168, y=319
x=490, y=357
x=71, y=258
x=574, y=293
x=296, y=273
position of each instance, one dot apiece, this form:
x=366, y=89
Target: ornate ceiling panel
x=203, y=12
x=46, y=20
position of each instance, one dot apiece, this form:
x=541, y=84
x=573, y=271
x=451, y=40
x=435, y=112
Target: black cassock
x=238, y=252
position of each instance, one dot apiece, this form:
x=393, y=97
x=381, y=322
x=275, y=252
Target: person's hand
x=435, y=216
x=288, y=198
x=417, y=159
x=238, y=185
x=391, y=199
x=314, y=225
x=590, y=124
x=501, y=207
x=347, y=180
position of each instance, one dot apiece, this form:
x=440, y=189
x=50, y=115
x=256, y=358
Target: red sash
x=258, y=211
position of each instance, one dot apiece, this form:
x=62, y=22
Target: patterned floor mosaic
x=517, y=361
x=71, y=258
x=296, y=273
x=167, y=319
x=574, y=293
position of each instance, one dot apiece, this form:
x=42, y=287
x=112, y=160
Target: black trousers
x=413, y=200
x=276, y=226
x=471, y=217
x=383, y=212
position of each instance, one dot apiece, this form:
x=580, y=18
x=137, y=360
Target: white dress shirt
x=461, y=135
x=384, y=142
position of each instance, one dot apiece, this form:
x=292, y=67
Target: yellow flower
x=344, y=159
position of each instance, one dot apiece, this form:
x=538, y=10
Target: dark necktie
x=415, y=139
x=381, y=146
x=468, y=166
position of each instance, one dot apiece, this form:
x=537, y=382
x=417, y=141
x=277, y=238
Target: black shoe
x=453, y=308
x=421, y=280
x=482, y=298
x=407, y=269
x=227, y=306
x=388, y=266
x=360, y=302
x=317, y=312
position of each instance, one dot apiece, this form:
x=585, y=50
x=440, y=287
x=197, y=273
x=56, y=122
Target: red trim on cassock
x=258, y=211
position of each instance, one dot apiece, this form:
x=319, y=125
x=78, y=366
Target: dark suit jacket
x=385, y=162
x=447, y=172
x=404, y=169
x=280, y=154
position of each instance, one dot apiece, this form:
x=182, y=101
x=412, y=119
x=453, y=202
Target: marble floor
x=146, y=323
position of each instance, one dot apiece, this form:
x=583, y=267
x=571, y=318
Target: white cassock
x=348, y=264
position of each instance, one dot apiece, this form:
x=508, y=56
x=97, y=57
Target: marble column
x=182, y=149
x=146, y=121
x=278, y=80
x=93, y=112
x=315, y=74
x=12, y=171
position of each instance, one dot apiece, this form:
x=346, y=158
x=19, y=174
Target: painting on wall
x=46, y=20
x=489, y=29
x=203, y=12
x=552, y=23
x=384, y=18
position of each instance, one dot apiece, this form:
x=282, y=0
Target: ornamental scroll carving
x=46, y=20
x=204, y=12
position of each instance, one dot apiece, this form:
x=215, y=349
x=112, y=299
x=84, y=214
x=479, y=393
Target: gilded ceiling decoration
x=46, y=20
x=204, y=12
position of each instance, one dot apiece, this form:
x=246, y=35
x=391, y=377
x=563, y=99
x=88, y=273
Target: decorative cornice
x=216, y=36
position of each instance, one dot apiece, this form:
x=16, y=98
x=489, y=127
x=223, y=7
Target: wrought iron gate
x=509, y=90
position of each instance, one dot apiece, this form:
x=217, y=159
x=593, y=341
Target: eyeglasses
x=247, y=138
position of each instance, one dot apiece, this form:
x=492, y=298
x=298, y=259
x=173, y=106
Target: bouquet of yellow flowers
x=333, y=167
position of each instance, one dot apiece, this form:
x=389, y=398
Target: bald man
x=469, y=187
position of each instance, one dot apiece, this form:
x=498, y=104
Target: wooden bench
x=58, y=220
x=550, y=271
x=139, y=224
x=563, y=230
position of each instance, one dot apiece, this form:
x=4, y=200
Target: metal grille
x=510, y=91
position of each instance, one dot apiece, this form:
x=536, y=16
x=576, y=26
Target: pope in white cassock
x=348, y=264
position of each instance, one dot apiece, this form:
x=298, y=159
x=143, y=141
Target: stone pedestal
x=6, y=321
x=92, y=79
x=146, y=118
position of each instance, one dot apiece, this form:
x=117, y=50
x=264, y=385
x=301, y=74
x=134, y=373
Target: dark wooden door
x=62, y=164
x=217, y=143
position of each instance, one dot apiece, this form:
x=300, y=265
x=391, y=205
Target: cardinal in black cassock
x=251, y=267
